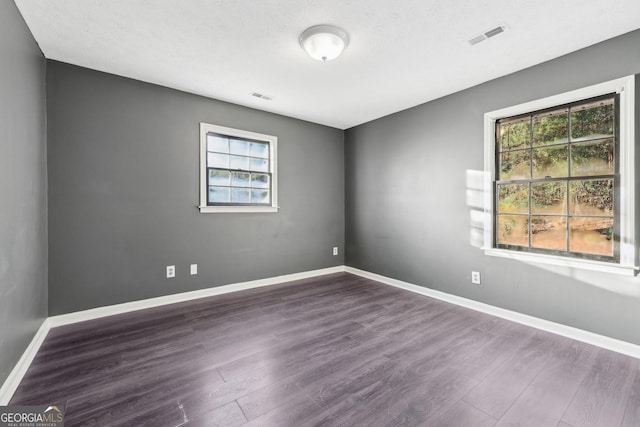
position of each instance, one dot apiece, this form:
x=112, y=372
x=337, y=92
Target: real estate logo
x=31, y=416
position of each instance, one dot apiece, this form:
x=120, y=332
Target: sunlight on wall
x=476, y=201
x=614, y=283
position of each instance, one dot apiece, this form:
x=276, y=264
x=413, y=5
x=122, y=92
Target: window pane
x=513, y=198
x=218, y=194
x=259, y=180
x=515, y=165
x=240, y=179
x=261, y=165
x=549, y=232
x=512, y=230
x=515, y=133
x=239, y=146
x=259, y=149
x=218, y=177
x=549, y=198
x=217, y=143
x=259, y=196
x=215, y=160
x=592, y=158
x=593, y=120
x=240, y=195
x=551, y=162
x=591, y=197
x=550, y=127
x=238, y=162
x=592, y=235
x=556, y=188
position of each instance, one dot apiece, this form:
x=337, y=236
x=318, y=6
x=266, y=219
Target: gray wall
x=407, y=216
x=23, y=184
x=123, y=160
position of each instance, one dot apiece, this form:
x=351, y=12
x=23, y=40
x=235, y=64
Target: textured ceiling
x=402, y=53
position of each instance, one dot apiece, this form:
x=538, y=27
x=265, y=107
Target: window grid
x=258, y=180
x=609, y=221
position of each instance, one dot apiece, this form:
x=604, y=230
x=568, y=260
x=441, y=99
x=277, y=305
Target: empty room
x=319, y=213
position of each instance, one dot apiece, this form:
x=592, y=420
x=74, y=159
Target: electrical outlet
x=335, y=250
x=171, y=271
x=475, y=277
x=194, y=269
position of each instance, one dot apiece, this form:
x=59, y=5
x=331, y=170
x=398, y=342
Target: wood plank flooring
x=337, y=350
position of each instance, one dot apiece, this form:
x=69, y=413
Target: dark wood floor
x=337, y=350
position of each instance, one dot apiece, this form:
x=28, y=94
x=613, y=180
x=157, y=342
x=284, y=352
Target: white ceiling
x=402, y=53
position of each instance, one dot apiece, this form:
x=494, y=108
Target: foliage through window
x=237, y=170
x=556, y=188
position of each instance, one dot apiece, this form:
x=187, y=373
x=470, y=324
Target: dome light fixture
x=324, y=42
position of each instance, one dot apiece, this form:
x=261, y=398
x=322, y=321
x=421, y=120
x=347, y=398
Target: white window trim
x=206, y=128
x=625, y=87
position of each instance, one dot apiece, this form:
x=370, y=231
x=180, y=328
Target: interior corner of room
x=99, y=190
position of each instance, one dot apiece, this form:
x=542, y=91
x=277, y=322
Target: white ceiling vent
x=488, y=34
x=477, y=39
x=262, y=96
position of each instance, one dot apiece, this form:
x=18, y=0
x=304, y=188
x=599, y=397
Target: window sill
x=237, y=209
x=605, y=267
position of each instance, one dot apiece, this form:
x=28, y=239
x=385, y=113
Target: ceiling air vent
x=488, y=34
x=262, y=96
x=477, y=39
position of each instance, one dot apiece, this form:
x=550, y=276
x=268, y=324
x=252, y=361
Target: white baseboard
x=608, y=343
x=95, y=313
x=13, y=380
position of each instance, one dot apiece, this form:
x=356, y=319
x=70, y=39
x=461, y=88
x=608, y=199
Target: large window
x=561, y=179
x=557, y=180
x=237, y=170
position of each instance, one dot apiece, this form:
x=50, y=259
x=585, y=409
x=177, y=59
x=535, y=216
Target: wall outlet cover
x=171, y=271
x=475, y=277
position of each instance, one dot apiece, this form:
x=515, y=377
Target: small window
x=237, y=170
x=560, y=179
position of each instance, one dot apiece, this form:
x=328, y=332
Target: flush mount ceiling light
x=324, y=42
